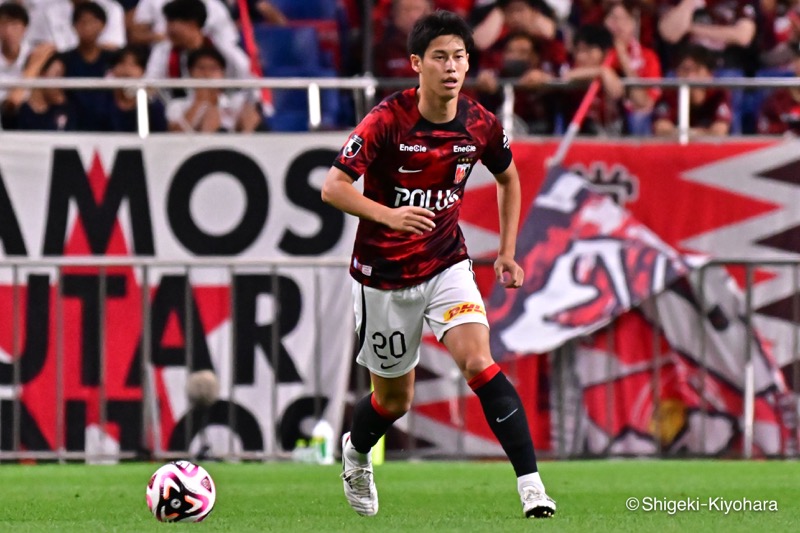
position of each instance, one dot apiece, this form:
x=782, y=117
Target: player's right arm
x=339, y=192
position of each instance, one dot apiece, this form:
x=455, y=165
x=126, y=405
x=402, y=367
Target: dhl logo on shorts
x=463, y=309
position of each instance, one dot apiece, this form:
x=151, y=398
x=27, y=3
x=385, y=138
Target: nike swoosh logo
x=402, y=170
x=387, y=367
x=507, y=416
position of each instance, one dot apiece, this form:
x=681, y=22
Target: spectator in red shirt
x=709, y=108
x=533, y=106
x=632, y=60
x=606, y=112
x=780, y=112
x=391, y=52
x=727, y=27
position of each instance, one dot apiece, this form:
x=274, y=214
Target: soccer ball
x=181, y=491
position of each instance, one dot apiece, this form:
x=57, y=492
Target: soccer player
x=416, y=150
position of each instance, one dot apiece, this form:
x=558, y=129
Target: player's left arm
x=508, y=203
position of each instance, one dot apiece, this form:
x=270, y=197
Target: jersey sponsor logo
x=413, y=148
x=433, y=200
x=464, y=149
x=463, y=309
x=462, y=170
x=353, y=146
x=364, y=269
x=402, y=170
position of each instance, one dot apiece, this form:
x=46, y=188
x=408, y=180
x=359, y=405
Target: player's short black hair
x=92, y=9
x=205, y=51
x=435, y=25
x=186, y=10
x=14, y=11
x=699, y=54
x=595, y=36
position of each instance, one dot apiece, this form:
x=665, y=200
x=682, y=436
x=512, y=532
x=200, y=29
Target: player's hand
x=508, y=272
x=416, y=220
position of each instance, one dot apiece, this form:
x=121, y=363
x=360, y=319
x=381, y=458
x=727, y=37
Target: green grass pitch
x=414, y=497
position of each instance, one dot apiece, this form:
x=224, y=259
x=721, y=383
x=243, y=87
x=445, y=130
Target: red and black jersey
x=407, y=160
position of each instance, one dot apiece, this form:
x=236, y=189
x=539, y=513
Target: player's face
x=443, y=67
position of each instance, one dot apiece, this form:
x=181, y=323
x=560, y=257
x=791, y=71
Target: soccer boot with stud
x=536, y=503
x=358, y=480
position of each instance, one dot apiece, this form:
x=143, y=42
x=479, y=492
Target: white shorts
x=389, y=322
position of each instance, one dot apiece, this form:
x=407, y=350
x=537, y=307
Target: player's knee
x=396, y=402
x=473, y=366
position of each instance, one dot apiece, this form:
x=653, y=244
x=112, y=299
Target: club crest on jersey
x=353, y=146
x=462, y=169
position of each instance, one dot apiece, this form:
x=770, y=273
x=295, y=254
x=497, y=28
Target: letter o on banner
x=194, y=170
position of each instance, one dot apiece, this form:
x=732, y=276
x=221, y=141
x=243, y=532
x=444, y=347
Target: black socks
x=505, y=414
x=370, y=423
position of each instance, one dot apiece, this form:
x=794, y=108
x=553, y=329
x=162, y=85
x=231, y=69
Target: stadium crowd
x=533, y=42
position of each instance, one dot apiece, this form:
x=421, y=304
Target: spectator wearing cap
x=606, y=112
x=726, y=27
x=51, y=22
x=780, y=112
x=88, y=60
x=709, y=108
x=632, y=60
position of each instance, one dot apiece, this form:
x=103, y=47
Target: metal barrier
x=365, y=88
x=566, y=408
x=145, y=270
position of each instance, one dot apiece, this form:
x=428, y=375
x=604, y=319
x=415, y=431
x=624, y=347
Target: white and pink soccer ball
x=181, y=491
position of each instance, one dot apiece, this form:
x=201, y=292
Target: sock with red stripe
x=505, y=414
x=370, y=423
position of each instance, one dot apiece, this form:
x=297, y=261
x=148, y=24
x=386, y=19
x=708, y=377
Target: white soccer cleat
x=535, y=503
x=359, y=483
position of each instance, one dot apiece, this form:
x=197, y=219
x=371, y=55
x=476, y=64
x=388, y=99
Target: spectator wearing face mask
x=534, y=107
